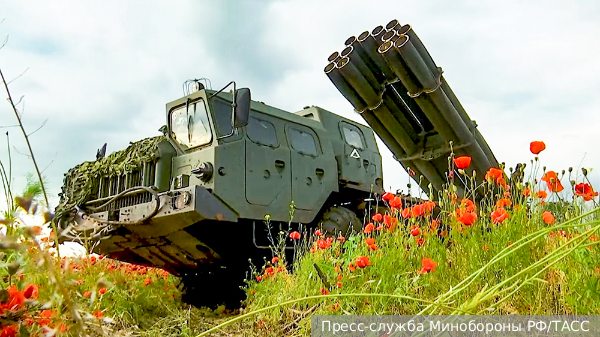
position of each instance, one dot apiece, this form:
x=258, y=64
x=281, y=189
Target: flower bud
x=13, y=267
x=584, y=170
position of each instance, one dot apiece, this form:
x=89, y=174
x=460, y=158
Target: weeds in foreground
x=525, y=245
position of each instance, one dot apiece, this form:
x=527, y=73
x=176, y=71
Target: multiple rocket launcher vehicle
x=194, y=200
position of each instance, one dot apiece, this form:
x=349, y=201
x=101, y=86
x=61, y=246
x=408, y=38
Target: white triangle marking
x=355, y=154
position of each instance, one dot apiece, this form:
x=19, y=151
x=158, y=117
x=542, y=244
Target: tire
x=340, y=221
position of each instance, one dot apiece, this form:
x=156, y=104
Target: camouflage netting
x=82, y=180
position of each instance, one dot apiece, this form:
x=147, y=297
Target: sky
x=102, y=71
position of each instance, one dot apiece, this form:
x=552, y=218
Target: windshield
x=190, y=126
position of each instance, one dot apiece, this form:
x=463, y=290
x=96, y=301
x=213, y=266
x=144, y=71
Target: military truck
x=194, y=200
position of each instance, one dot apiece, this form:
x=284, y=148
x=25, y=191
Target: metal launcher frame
x=393, y=83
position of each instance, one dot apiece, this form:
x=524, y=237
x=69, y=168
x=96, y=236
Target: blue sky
x=103, y=71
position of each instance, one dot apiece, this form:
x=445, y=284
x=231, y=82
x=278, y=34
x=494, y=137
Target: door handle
x=279, y=163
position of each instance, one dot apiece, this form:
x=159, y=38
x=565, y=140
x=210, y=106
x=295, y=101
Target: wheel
x=340, y=221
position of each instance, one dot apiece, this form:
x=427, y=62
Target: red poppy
x=465, y=217
x=318, y=232
x=351, y=267
x=322, y=244
x=102, y=291
x=369, y=228
x=428, y=265
x=147, y=282
x=98, y=314
x=526, y=192
x=324, y=291
x=377, y=217
x=9, y=331
x=415, y=231
x=362, y=261
x=274, y=260
x=396, y=202
x=462, y=162
x=373, y=247
x=548, y=218
x=499, y=215
x=537, y=146
x=341, y=239
x=295, y=235
x=406, y=213
x=542, y=194
x=15, y=299
x=494, y=174
x=87, y=294
x=369, y=241
x=503, y=203
x=387, y=220
x=468, y=205
x=428, y=206
x=31, y=291
x=420, y=241
x=418, y=210
x=552, y=181
x=387, y=196
x=585, y=191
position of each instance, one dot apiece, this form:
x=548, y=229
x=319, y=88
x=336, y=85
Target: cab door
x=267, y=164
x=309, y=167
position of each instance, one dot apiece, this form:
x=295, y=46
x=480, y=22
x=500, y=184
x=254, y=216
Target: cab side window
x=353, y=136
x=302, y=141
x=262, y=132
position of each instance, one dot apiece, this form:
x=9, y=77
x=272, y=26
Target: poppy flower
x=420, y=242
x=373, y=247
x=537, y=146
x=552, y=181
x=468, y=205
x=418, y=210
x=387, y=197
x=318, y=232
x=387, y=220
x=322, y=244
x=9, y=331
x=295, y=235
x=495, y=175
x=339, y=285
x=428, y=265
x=585, y=191
x=324, y=291
x=87, y=294
x=362, y=261
x=377, y=217
x=369, y=241
x=102, y=291
x=542, y=194
x=341, y=239
x=415, y=231
x=499, y=215
x=259, y=278
x=548, y=218
x=503, y=203
x=396, y=202
x=428, y=206
x=274, y=260
x=526, y=192
x=368, y=228
x=351, y=267
x=98, y=314
x=462, y=162
x=406, y=213
x=31, y=291
x=465, y=217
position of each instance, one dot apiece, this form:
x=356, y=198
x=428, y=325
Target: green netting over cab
x=81, y=182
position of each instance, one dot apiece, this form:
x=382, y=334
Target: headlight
x=182, y=200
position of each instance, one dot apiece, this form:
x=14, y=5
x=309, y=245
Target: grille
x=109, y=186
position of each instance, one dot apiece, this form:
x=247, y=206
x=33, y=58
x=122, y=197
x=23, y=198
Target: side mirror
x=242, y=108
